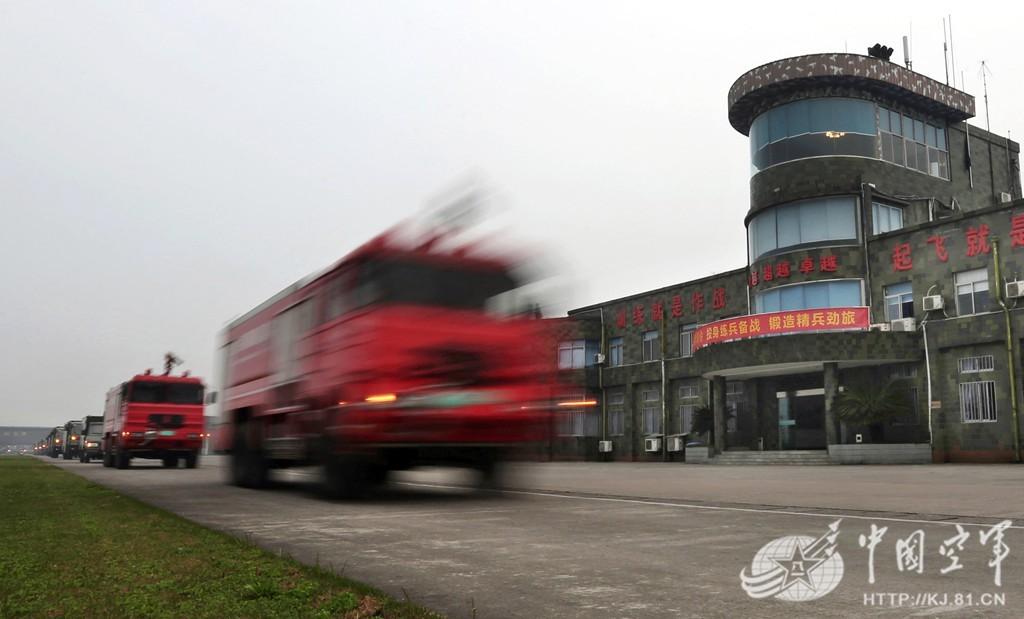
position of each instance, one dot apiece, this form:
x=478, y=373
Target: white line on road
x=719, y=507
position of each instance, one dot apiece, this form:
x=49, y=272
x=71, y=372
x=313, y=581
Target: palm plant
x=870, y=405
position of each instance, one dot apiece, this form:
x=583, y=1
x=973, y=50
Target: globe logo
x=795, y=568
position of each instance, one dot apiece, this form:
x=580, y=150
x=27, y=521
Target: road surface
x=636, y=540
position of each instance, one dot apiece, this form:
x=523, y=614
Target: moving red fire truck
x=389, y=359
x=154, y=416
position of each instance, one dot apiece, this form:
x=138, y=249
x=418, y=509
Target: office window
x=689, y=399
x=817, y=221
x=650, y=409
x=615, y=351
x=583, y=421
x=885, y=218
x=835, y=293
x=970, y=365
x=971, y=292
x=572, y=355
x=616, y=414
x=651, y=350
x=899, y=301
x=913, y=143
x=978, y=401
x=686, y=340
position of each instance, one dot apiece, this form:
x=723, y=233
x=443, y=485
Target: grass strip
x=72, y=548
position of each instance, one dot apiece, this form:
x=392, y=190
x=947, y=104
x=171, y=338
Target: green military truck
x=72, y=435
x=91, y=438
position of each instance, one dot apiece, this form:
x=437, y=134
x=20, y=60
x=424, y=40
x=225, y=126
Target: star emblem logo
x=798, y=567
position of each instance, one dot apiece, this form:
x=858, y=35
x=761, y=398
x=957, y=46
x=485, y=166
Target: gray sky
x=165, y=166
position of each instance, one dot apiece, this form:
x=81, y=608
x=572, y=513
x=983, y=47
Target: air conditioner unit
x=604, y=447
x=1014, y=290
x=880, y=326
x=904, y=324
x=1005, y=197
x=652, y=444
x=599, y=358
x=675, y=443
x=932, y=303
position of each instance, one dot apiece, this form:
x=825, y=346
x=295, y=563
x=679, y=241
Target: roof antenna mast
x=985, y=72
x=945, y=50
x=952, y=55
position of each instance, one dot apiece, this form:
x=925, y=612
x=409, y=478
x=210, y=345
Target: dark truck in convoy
x=55, y=442
x=91, y=438
x=72, y=434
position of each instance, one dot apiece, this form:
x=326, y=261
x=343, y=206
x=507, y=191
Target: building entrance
x=802, y=419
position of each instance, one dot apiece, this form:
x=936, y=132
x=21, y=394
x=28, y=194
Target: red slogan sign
x=780, y=323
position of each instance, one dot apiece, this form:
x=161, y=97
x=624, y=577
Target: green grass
x=71, y=548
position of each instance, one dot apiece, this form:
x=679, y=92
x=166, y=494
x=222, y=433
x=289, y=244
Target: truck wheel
x=108, y=459
x=67, y=455
x=170, y=462
x=345, y=477
x=248, y=466
x=122, y=460
x=192, y=459
x=490, y=469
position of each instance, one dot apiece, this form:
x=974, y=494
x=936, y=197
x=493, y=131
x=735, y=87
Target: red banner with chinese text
x=781, y=323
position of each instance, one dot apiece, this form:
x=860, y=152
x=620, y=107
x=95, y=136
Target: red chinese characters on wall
x=638, y=314
x=718, y=298
x=657, y=311
x=1017, y=231
x=620, y=319
x=977, y=240
x=677, y=306
x=940, y=247
x=697, y=301
x=784, y=268
x=901, y=260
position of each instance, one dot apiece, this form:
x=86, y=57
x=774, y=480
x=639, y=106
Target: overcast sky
x=165, y=166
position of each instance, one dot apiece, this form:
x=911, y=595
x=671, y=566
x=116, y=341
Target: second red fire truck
x=154, y=416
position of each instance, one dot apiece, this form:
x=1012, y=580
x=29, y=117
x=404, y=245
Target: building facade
x=885, y=236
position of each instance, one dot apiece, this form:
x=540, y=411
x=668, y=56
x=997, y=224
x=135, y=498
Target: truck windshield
x=95, y=428
x=417, y=283
x=166, y=393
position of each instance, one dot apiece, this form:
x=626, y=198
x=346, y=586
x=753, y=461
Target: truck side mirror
x=211, y=397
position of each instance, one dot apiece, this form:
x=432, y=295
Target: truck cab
x=91, y=438
x=72, y=436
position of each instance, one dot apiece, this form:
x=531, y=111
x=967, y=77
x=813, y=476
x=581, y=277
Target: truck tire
x=108, y=459
x=170, y=462
x=346, y=477
x=83, y=458
x=249, y=467
x=192, y=459
x=122, y=460
x=67, y=454
x=490, y=470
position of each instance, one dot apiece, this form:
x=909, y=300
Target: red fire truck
x=393, y=357
x=154, y=416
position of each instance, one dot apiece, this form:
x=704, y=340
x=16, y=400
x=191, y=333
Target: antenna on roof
x=985, y=72
x=906, y=54
x=952, y=55
x=170, y=360
x=945, y=50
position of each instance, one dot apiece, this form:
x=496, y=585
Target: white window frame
x=572, y=347
x=877, y=208
x=899, y=300
x=650, y=409
x=976, y=364
x=974, y=280
x=686, y=335
x=651, y=350
x=616, y=344
x=978, y=402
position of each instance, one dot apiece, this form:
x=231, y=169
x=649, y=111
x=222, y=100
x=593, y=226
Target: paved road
x=627, y=540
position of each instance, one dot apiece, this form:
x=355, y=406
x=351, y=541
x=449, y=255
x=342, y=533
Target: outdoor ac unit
x=675, y=443
x=880, y=326
x=932, y=303
x=1005, y=197
x=604, y=447
x=652, y=444
x=904, y=324
x=599, y=358
x=1014, y=290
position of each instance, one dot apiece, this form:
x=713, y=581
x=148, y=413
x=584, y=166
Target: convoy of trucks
x=400, y=354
